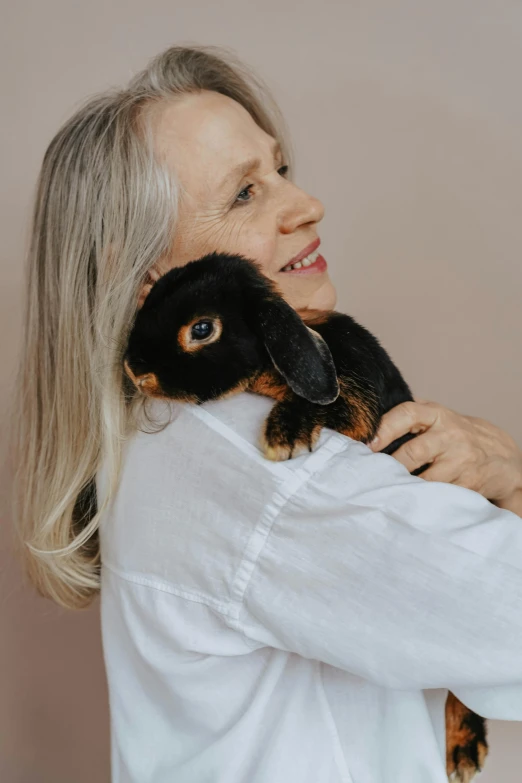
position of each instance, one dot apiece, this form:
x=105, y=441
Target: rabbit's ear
x=298, y=353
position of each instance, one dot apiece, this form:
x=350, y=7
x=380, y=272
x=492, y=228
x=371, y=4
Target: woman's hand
x=461, y=450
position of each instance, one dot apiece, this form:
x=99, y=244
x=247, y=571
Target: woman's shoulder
x=198, y=490
x=215, y=449
x=223, y=430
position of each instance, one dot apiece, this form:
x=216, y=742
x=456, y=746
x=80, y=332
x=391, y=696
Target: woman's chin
x=325, y=298
x=305, y=293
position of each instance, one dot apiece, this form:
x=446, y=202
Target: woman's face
x=235, y=197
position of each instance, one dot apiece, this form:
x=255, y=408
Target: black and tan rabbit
x=218, y=326
x=325, y=370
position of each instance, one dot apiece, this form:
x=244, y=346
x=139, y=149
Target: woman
x=262, y=622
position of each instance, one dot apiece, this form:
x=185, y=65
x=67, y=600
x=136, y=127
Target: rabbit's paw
x=466, y=744
x=289, y=431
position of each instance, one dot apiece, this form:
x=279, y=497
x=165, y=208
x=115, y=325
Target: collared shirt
x=297, y=622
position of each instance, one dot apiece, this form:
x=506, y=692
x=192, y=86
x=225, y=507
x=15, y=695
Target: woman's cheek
x=261, y=250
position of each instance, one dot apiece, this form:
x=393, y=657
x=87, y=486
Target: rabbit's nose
x=147, y=383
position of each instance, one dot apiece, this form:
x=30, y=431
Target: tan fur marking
x=275, y=453
x=268, y=385
x=458, y=734
x=130, y=373
x=241, y=387
x=364, y=426
x=360, y=430
x=313, y=317
x=278, y=452
x=482, y=753
x=148, y=385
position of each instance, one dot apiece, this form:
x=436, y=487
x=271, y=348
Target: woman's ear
x=152, y=276
x=298, y=353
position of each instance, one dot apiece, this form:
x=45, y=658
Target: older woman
x=262, y=622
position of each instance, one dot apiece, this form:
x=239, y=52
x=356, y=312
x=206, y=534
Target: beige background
x=407, y=121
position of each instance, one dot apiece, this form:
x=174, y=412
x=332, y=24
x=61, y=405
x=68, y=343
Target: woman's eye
x=244, y=195
x=245, y=191
x=201, y=330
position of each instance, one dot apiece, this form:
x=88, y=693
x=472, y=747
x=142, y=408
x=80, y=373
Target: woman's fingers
x=422, y=450
x=443, y=470
x=407, y=417
x=462, y=450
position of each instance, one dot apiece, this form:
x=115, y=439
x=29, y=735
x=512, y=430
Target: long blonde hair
x=104, y=213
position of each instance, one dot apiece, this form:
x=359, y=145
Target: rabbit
x=265, y=348
x=218, y=326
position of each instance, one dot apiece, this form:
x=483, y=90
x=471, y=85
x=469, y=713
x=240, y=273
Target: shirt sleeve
x=407, y=583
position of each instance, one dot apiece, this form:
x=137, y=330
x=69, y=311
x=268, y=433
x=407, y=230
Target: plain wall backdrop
x=406, y=119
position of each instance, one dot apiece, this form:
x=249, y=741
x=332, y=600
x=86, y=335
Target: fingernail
x=375, y=440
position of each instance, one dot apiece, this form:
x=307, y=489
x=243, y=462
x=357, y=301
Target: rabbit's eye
x=199, y=333
x=201, y=330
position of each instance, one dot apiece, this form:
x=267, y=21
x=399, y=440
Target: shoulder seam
x=271, y=513
x=167, y=587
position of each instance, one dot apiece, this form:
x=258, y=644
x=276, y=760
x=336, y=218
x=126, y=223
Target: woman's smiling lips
x=307, y=262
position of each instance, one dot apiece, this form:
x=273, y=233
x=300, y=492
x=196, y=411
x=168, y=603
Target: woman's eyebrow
x=243, y=168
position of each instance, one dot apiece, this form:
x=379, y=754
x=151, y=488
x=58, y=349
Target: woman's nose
x=298, y=208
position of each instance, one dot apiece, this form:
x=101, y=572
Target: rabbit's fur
x=218, y=326
x=324, y=369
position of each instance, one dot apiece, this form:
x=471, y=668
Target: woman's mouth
x=314, y=263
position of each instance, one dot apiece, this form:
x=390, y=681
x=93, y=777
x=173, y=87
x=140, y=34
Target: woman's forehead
x=206, y=136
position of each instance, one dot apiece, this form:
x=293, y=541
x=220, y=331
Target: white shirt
x=297, y=622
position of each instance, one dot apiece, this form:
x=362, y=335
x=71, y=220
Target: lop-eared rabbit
x=218, y=326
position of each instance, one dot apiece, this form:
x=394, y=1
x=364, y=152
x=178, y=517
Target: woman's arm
x=406, y=583
x=463, y=450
